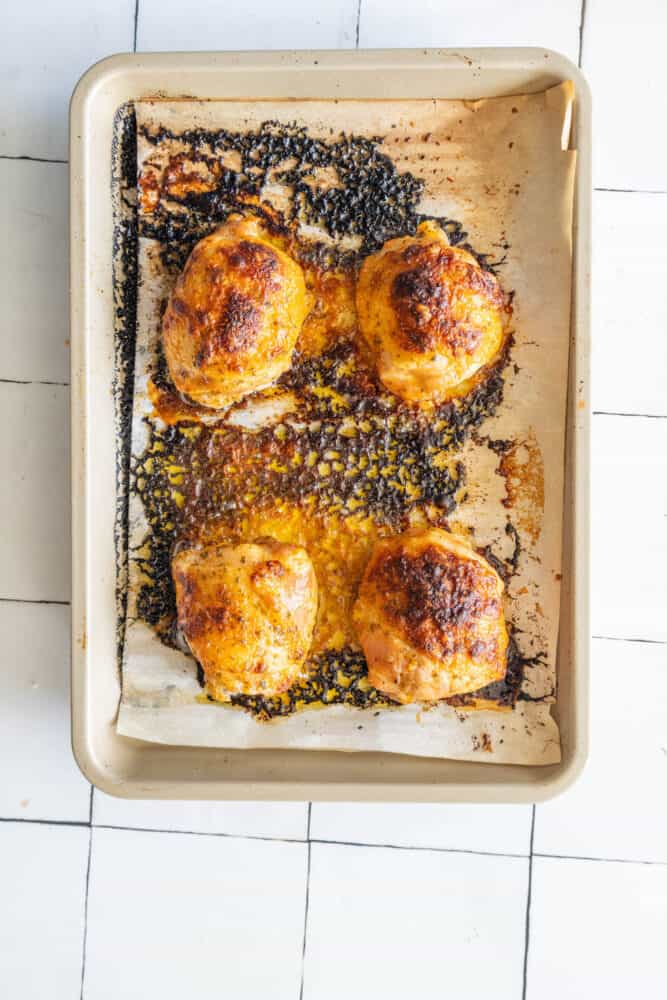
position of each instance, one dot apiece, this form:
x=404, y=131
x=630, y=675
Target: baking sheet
x=501, y=167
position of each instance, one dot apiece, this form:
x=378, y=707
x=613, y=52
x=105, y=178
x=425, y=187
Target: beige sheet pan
x=128, y=767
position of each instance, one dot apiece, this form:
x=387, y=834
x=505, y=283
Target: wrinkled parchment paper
x=502, y=167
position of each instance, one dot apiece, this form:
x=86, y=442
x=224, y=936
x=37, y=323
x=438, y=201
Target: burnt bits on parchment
x=368, y=199
x=125, y=293
x=356, y=448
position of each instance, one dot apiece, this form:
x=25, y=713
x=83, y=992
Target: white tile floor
x=385, y=24
x=288, y=821
x=175, y=899
x=34, y=200
x=414, y=924
x=597, y=929
x=181, y=915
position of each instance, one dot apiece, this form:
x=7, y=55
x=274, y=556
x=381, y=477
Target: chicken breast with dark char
x=234, y=315
x=431, y=316
x=429, y=617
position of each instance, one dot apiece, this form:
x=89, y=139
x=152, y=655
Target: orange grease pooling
x=182, y=176
x=339, y=548
x=170, y=407
x=333, y=315
x=522, y=468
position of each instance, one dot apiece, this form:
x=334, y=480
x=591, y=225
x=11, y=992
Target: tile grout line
x=295, y=840
x=305, y=914
x=356, y=34
x=90, y=805
x=623, y=638
x=31, y=381
x=581, y=32
x=609, y=861
x=136, y=24
x=331, y=843
x=199, y=833
x=528, y=900
x=310, y=810
x=270, y=840
x=76, y=823
x=30, y=159
x=610, y=190
x=85, y=911
x=32, y=600
x=405, y=847
x=618, y=413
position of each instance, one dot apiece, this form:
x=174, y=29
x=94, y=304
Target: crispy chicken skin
x=431, y=316
x=234, y=316
x=247, y=612
x=429, y=617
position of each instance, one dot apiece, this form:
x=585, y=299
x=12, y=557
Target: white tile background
x=250, y=900
x=181, y=915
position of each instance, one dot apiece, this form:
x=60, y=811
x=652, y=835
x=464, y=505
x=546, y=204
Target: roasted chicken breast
x=431, y=316
x=234, y=315
x=429, y=617
x=247, y=612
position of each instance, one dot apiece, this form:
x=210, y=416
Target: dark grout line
x=90, y=805
x=275, y=840
x=85, y=913
x=356, y=36
x=305, y=918
x=432, y=850
x=310, y=809
x=27, y=600
x=618, y=413
x=528, y=900
x=296, y=840
x=621, y=638
x=608, y=861
x=199, y=833
x=334, y=843
x=631, y=190
x=31, y=159
x=136, y=23
x=581, y=32
x=45, y=822
x=30, y=381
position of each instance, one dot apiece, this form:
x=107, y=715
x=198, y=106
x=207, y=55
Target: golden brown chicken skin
x=429, y=617
x=247, y=612
x=431, y=316
x=234, y=316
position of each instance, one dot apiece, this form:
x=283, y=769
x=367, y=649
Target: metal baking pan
x=133, y=769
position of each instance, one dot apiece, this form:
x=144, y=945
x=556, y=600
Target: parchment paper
x=501, y=167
